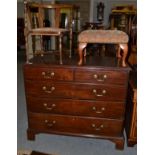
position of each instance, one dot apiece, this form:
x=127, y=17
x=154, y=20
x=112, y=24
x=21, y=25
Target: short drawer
x=90, y=108
x=75, y=124
x=49, y=73
x=100, y=76
x=76, y=91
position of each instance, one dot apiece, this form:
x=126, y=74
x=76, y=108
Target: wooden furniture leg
x=60, y=48
x=80, y=48
x=119, y=143
x=124, y=47
x=70, y=44
x=118, y=53
x=30, y=135
x=131, y=143
x=42, y=46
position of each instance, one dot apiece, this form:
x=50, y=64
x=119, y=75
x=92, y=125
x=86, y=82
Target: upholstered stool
x=103, y=36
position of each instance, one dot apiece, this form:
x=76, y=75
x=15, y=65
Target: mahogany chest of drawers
x=67, y=99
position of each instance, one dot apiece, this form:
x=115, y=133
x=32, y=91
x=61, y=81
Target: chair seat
x=47, y=31
x=103, y=36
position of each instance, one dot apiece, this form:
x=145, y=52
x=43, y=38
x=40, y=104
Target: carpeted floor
x=55, y=144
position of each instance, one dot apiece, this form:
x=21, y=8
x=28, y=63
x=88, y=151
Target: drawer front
x=73, y=124
x=113, y=110
x=79, y=91
x=100, y=76
x=48, y=73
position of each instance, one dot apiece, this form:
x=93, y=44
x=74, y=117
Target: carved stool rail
x=104, y=36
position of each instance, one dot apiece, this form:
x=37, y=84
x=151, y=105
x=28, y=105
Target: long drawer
x=100, y=76
x=76, y=90
x=75, y=124
x=48, y=73
x=89, y=108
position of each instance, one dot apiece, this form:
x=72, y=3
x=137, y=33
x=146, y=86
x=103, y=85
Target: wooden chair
x=34, y=25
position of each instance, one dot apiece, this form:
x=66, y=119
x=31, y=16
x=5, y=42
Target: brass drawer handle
x=100, y=78
x=49, y=108
x=98, y=111
x=48, y=91
x=50, y=123
x=97, y=128
x=99, y=95
x=48, y=75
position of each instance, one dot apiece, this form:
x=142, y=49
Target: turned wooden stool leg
x=80, y=50
x=124, y=47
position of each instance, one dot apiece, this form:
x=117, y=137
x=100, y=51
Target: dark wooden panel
x=75, y=124
x=76, y=107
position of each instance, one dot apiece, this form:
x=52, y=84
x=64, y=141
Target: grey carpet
x=56, y=144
